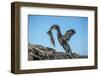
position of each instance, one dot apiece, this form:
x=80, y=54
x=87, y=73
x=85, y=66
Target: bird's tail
x=51, y=37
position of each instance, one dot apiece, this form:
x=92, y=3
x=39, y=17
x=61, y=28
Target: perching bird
x=63, y=39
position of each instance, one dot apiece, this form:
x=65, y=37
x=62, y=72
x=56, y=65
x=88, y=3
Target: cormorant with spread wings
x=63, y=39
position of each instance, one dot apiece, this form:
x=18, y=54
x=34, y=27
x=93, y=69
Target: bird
x=63, y=39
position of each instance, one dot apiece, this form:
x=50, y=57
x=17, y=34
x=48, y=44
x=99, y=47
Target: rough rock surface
x=38, y=52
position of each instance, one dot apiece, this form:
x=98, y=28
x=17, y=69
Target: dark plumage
x=63, y=39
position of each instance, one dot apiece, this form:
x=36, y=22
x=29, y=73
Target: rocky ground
x=38, y=52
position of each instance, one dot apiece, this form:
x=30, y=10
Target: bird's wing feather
x=69, y=34
x=51, y=37
x=66, y=35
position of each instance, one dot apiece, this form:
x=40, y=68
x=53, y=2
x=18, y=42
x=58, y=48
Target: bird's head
x=55, y=26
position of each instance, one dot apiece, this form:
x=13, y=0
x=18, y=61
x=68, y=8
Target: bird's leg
x=68, y=50
x=70, y=55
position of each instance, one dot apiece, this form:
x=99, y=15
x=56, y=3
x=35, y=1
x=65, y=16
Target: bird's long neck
x=51, y=35
x=59, y=33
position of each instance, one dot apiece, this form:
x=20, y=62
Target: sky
x=38, y=25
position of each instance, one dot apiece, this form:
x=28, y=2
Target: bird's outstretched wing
x=51, y=37
x=69, y=34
